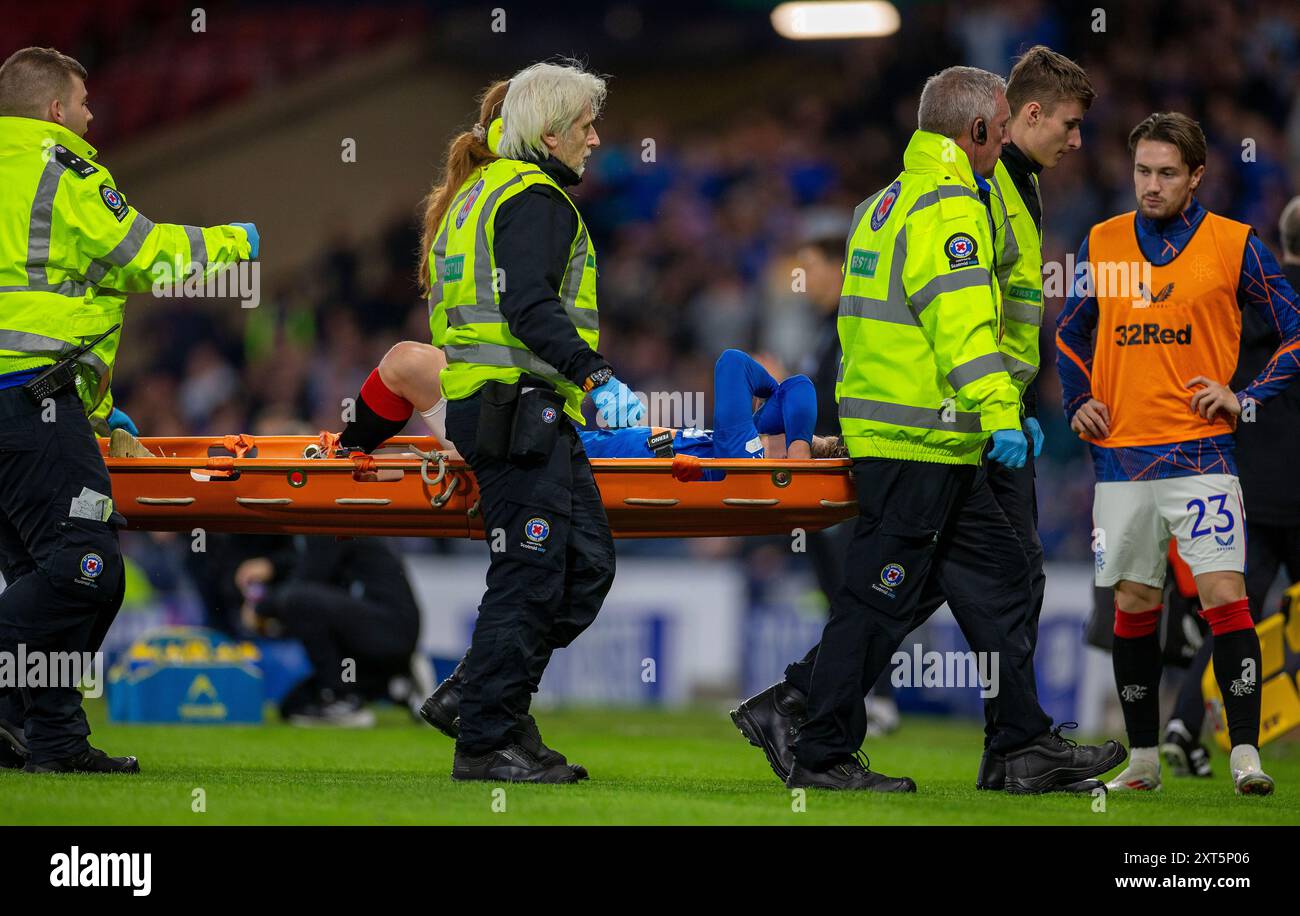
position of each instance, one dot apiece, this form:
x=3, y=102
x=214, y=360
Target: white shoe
x=882, y=716
x=345, y=712
x=1247, y=776
x=1139, y=776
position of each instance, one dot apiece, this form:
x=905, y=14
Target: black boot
x=527, y=735
x=993, y=771
x=442, y=708
x=770, y=720
x=13, y=747
x=1056, y=764
x=509, y=764
x=853, y=774
x=91, y=761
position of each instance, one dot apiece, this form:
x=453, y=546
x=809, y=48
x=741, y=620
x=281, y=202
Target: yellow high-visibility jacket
x=920, y=317
x=71, y=248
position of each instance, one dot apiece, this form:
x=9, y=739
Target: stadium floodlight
x=835, y=19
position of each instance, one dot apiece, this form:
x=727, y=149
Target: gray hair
x=1288, y=225
x=545, y=98
x=955, y=97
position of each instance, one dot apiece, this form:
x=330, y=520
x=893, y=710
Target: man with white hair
x=922, y=389
x=511, y=276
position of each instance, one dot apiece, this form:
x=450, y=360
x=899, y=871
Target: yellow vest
x=921, y=377
x=71, y=248
x=1020, y=277
x=465, y=316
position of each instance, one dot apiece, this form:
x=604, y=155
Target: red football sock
x=383, y=400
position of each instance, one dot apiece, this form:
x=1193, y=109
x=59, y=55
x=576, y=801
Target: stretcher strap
x=687, y=468
x=329, y=443
x=362, y=463
x=240, y=445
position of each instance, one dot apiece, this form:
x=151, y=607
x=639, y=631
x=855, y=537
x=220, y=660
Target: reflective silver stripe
x=461, y=315
x=583, y=319
x=482, y=256
x=572, y=280
x=965, y=278
x=40, y=223
x=973, y=369
x=439, y=253
x=895, y=312
x=930, y=198
x=498, y=355
x=198, y=247
x=903, y=415
x=40, y=345
x=75, y=289
x=1014, y=310
x=1010, y=248
x=893, y=308
x=858, y=215
x=1019, y=370
x=97, y=271
x=126, y=250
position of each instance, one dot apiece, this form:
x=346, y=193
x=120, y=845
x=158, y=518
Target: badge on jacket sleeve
x=114, y=200
x=960, y=249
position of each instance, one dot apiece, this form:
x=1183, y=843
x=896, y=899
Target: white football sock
x=1146, y=757
x=1244, y=758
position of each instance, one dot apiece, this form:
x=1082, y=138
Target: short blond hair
x=32, y=78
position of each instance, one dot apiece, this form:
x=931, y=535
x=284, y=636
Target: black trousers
x=924, y=533
x=333, y=625
x=63, y=572
x=1016, y=495
x=552, y=563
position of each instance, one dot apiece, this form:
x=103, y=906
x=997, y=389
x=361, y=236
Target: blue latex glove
x=1035, y=433
x=1009, y=447
x=616, y=405
x=253, y=238
x=117, y=419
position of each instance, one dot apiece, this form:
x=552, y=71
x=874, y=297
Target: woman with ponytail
x=467, y=152
x=509, y=269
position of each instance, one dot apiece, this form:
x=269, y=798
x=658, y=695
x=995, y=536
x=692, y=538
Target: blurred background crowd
x=700, y=196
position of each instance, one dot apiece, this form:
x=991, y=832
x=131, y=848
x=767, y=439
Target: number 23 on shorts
x=1201, y=527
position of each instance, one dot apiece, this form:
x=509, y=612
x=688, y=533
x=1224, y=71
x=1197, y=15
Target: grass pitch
x=648, y=767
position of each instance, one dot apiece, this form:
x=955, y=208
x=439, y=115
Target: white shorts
x=1134, y=519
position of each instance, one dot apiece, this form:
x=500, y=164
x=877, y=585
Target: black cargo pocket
x=87, y=564
x=907, y=547
x=538, y=531
x=538, y=416
x=910, y=529
x=18, y=433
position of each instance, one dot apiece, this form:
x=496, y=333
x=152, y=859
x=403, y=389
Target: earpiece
x=981, y=131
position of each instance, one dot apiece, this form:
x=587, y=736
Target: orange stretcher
x=294, y=485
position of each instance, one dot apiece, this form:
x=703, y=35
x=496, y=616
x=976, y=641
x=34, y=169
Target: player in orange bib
x=1146, y=344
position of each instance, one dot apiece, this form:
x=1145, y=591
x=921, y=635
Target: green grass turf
x=648, y=767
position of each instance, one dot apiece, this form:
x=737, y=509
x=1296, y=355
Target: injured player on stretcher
x=407, y=381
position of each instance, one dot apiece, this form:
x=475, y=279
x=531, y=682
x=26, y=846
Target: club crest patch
x=537, y=529
x=892, y=575
x=468, y=203
x=92, y=564
x=114, y=200
x=960, y=249
x=884, y=205
x=549, y=415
